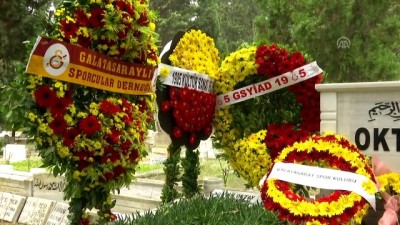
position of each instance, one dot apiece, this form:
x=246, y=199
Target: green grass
x=215, y=168
x=26, y=165
x=143, y=168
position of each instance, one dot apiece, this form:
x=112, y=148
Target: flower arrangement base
x=373, y=216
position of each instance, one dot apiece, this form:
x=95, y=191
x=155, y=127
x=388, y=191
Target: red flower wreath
x=274, y=61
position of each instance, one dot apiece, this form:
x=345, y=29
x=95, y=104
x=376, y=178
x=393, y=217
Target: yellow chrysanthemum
x=197, y=52
x=164, y=71
x=389, y=182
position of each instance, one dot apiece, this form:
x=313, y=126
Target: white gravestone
x=368, y=114
x=58, y=214
x=65, y=221
x=14, y=152
x=36, y=211
x=10, y=206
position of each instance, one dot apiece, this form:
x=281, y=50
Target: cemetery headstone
x=58, y=214
x=65, y=221
x=14, y=153
x=36, y=211
x=368, y=114
x=10, y=206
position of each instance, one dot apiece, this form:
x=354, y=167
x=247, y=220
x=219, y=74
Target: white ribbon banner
x=284, y=80
x=179, y=77
x=321, y=178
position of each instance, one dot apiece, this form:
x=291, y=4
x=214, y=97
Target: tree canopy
x=372, y=31
x=20, y=22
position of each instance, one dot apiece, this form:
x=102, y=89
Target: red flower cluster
x=281, y=135
x=93, y=18
x=192, y=111
x=274, y=61
x=89, y=126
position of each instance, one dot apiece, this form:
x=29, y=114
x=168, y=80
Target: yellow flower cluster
x=197, y=52
x=329, y=209
x=164, y=71
x=235, y=68
x=389, y=182
x=251, y=164
x=251, y=158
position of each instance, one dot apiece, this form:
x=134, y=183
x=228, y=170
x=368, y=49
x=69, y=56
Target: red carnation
x=82, y=164
x=143, y=20
x=69, y=137
x=69, y=28
x=84, y=41
x=58, y=125
x=113, y=137
x=81, y=18
x=89, y=125
x=118, y=171
x=125, y=6
x=128, y=119
x=126, y=105
x=134, y=155
x=108, y=176
x=45, y=97
x=59, y=108
x=126, y=145
x=96, y=18
x=108, y=108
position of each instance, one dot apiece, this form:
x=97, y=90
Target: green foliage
x=13, y=97
x=172, y=174
x=216, y=210
x=252, y=115
x=19, y=21
x=316, y=27
x=191, y=171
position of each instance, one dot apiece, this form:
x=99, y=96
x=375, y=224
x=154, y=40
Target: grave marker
x=65, y=221
x=14, y=152
x=57, y=215
x=368, y=114
x=36, y=211
x=10, y=206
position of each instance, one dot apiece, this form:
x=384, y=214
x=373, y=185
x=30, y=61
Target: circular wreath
x=93, y=137
x=339, y=207
x=187, y=114
x=277, y=119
